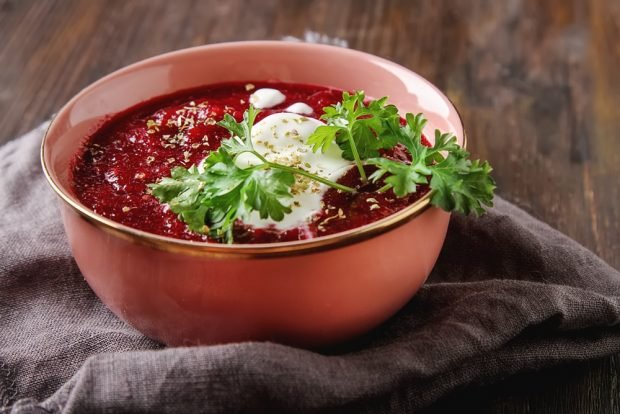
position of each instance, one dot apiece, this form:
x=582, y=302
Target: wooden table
x=537, y=81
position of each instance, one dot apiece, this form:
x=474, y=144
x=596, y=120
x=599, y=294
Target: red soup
x=112, y=172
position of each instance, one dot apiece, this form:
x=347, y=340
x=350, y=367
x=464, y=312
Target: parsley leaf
x=240, y=140
x=266, y=191
x=365, y=139
x=182, y=186
x=243, y=129
x=402, y=178
x=461, y=185
x=323, y=137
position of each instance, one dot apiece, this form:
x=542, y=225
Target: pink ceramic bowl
x=309, y=293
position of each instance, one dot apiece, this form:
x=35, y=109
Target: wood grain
x=537, y=82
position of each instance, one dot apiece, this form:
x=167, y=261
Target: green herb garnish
x=210, y=197
x=360, y=130
x=457, y=183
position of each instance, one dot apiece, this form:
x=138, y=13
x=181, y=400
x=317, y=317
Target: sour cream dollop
x=300, y=108
x=266, y=98
x=282, y=138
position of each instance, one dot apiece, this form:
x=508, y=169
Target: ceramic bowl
x=309, y=293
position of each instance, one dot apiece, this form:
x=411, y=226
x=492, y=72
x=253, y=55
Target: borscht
x=263, y=162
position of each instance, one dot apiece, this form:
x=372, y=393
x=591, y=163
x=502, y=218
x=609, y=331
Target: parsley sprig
x=362, y=130
x=211, y=196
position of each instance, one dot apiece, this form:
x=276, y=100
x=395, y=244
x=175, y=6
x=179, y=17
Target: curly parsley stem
x=315, y=177
x=299, y=171
x=356, y=157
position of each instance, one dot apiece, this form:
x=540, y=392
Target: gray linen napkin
x=509, y=294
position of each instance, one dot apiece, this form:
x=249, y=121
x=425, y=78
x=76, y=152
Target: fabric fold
x=509, y=294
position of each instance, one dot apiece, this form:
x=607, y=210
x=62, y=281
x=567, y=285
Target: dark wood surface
x=537, y=81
